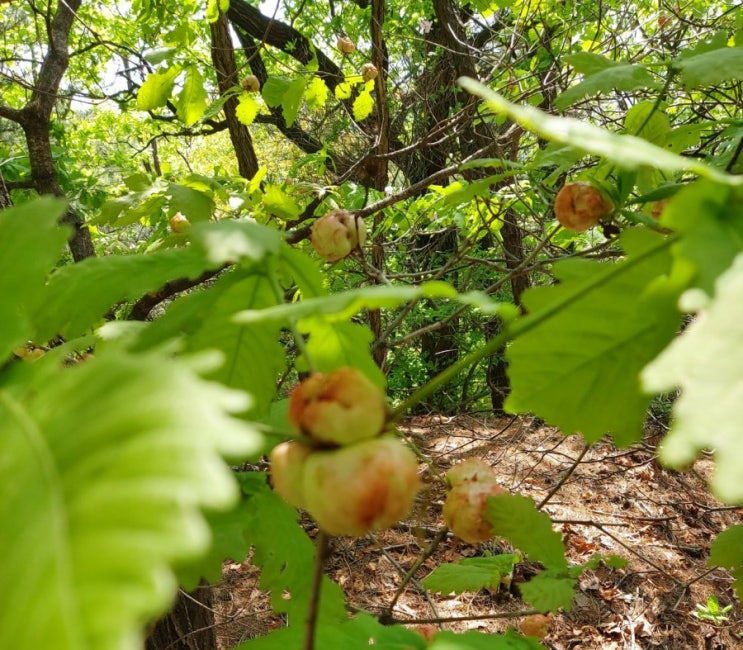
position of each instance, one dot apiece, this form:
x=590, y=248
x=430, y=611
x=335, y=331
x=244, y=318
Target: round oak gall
x=369, y=71
x=345, y=45
x=472, y=482
x=251, y=84
x=341, y=407
x=580, y=206
x=336, y=234
x=367, y=486
x=179, y=223
x=536, y=625
x=287, y=471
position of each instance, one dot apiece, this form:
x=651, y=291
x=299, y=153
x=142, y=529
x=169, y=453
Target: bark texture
x=223, y=57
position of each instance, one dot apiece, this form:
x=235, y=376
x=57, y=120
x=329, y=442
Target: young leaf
x=195, y=204
x=471, y=574
x=588, y=63
x=157, y=88
x=95, y=285
x=279, y=203
x=727, y=551
x=477, y=641
x=247, y=109
x=191, y=101
x=357, y=633
x=627, y=151
x=29, y=227
x=706, y=362
x=335, y=344
x=516, y=518
x=549, y=591
x=105, y=497
x=363, y=105
x=579, y=367
x=274, y=89
x=711, y=68
x=254, y=355
x=292, y=99
x=316, y=94
x=625, y=77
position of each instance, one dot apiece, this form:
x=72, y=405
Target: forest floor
x=616, y=501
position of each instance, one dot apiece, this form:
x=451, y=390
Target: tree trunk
x=189, y=625
x=35, y=120
x=223, y=57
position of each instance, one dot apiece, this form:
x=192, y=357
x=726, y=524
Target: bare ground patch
x=603, y=499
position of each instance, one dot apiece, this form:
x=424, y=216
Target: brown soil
x=618, y=502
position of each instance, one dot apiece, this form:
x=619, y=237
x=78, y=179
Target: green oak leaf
x=470, y=574
x=286, y=555
x=112, y=462
x=578, y=367
x=549, y=591
x=516, y=518
x=478, y=641
x=727, y=551
x=627, y=151
x=621, y=76
x=706, y=363
x=708, y=216
x=28, y=228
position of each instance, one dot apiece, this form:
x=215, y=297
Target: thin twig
x=564, y=478
x=322, y=542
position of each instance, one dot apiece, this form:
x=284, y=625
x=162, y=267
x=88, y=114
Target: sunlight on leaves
x=627, y=151
x=706, y=363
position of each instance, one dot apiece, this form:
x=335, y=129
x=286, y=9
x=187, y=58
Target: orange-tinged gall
x=367, y=486
x=536, y=625
x=179, y=223
x=345, y=45
x=472, y=482
x=369, y=71
x=341, y=407
x=580, y=206
x=287, y=471
x=657, y=207
x=472, y=469
x=251, y=84
x=336, y=234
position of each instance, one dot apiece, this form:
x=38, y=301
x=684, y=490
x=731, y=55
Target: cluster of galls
x=343, y=469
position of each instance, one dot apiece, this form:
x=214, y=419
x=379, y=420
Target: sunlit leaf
x=625, y=77
x=706, y=363
x=627, y=151
x=316, y=94
x=470, y=574
x=157, y=88
x=28, y=228
x=711, y=68
x=91, y=472
x=247, y=109
x=191, y=101
x=363, y=105
x=727, y=551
